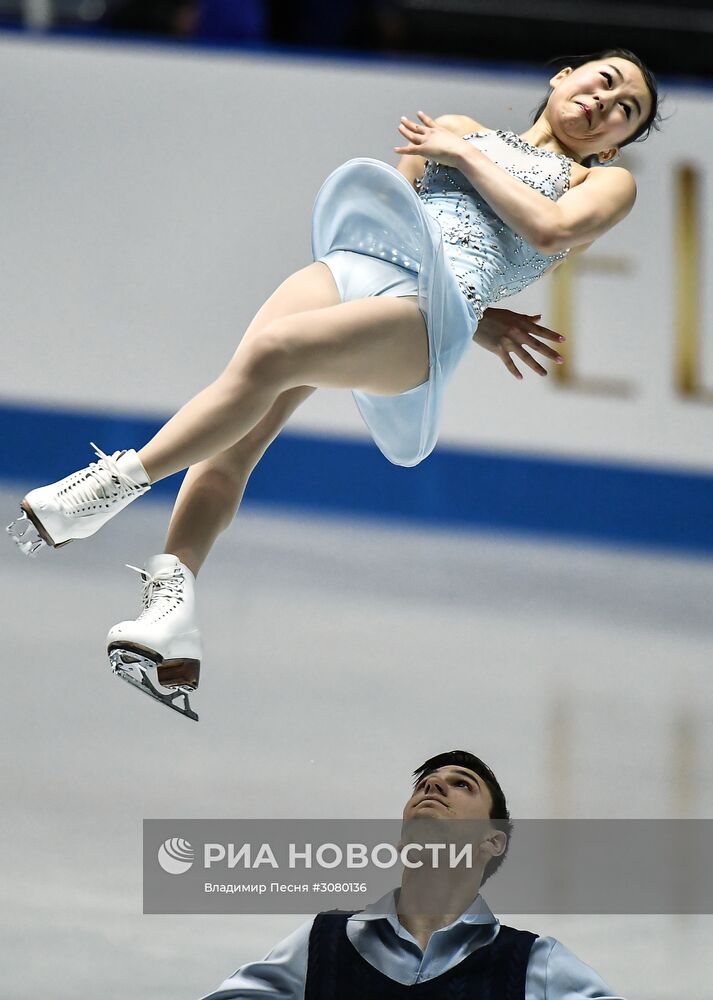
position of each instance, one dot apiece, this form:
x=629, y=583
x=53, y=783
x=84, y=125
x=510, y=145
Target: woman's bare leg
x=212, y=490
x=377, y=344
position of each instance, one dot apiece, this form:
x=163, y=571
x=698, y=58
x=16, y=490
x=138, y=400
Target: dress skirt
x=368, y=207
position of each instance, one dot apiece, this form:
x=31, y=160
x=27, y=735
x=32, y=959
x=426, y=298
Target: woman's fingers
x=410, y=132
x=543, y=331
x=413, y=137
x=411, y=126
x=508, y=361
x=535, y=345
x=509, y=347
x=528, y=359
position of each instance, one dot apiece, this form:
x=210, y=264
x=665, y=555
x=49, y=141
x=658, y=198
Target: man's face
x=452, y=792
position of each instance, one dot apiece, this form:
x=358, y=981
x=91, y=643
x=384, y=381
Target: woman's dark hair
x=653, y=121
x=499, y=808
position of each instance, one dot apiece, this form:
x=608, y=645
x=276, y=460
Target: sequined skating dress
x=464, y=255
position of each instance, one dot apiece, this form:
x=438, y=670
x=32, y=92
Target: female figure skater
x=406, y=263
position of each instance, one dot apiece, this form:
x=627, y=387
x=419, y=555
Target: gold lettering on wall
x=562, y=285
x=683, y=758
x=687, y=285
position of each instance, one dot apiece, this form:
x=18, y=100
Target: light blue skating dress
x=464, y=256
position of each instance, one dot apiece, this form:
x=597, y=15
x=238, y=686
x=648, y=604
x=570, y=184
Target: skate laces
x=102, y=480
x=166, y=585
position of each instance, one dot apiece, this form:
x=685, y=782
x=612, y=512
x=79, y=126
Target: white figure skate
x=160, y=651
x=79, y=504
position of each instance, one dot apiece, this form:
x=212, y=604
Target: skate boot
x=79, y=504
x=160, y=651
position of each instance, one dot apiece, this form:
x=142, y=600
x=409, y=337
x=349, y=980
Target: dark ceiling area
x=672, y=38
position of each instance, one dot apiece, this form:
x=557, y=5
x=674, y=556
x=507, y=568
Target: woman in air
x=408, y=264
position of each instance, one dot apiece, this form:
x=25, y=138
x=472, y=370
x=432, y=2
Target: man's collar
x=385, y=909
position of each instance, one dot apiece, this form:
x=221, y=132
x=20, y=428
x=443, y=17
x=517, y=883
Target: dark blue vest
x=336, y=970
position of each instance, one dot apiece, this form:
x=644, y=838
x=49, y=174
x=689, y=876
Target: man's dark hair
x=499, y=808
x=653, y=121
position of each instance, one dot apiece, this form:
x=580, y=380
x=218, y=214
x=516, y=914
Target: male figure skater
x=461, y=951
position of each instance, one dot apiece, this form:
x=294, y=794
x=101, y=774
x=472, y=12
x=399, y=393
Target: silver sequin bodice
x=491, y=261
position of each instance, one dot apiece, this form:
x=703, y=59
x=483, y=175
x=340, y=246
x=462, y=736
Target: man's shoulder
x=555, y=971
x=295, y=942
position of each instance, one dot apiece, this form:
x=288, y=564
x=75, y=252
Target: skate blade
x=134, y=669
x=25, y=535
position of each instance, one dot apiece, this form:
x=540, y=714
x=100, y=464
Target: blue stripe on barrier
x=455, y=488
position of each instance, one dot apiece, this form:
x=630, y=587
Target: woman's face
x=596, y=107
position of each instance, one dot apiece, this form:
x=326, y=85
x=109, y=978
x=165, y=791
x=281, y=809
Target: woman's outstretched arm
x=579, y=216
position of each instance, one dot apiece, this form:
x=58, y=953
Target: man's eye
x=607, y=77
x=627, y=110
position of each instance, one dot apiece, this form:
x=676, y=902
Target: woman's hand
x=431, y=140
x=504, y=333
